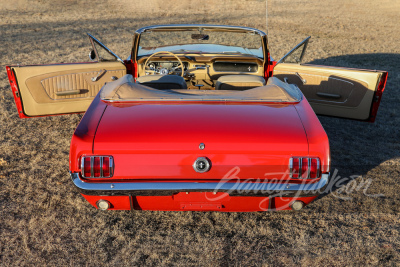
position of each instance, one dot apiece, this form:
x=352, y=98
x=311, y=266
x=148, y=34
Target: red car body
x=151, y=148
x=142, y=154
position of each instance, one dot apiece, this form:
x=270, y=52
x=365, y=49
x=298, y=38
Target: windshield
x=206, y=42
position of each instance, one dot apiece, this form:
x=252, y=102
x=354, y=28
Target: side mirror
x=92, y=55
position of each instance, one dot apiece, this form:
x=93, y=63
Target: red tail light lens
x=87, y=170
x=304, y=168
x=314, y=168
x=97, y=166
x=106, y=167
x=295, y=167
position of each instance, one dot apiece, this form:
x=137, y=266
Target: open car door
x=332, y=91
x=56, y=89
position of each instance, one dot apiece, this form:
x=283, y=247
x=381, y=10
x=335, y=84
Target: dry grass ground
x=44, y=221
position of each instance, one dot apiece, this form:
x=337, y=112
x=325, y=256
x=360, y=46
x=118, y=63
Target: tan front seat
x=239, y=82
x=163, y=81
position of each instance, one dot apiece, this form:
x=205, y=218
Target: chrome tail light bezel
x=92, y=158
x=300, y=174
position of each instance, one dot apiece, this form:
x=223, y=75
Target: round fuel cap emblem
x=201, y=165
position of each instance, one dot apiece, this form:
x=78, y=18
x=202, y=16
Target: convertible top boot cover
x=125, y=89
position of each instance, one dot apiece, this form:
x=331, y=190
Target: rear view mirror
x=200, y=36
x=92, y=55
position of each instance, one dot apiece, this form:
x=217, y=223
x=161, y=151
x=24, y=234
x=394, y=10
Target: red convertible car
x=199, y=117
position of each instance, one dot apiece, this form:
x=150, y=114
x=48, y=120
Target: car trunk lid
x=162, y=141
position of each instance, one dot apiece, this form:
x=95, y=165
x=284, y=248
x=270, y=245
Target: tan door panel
x=338, y=92
x=63, y=88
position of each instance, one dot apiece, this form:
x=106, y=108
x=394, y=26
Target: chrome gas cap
x=202, y=165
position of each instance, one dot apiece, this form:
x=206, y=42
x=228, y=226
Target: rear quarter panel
x=318, y=143
x=82, y=139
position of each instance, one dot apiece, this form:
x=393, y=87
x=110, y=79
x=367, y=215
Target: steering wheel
x=169, y=53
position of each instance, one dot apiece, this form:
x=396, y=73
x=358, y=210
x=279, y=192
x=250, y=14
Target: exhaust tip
x=297, y=205
x=103, y=204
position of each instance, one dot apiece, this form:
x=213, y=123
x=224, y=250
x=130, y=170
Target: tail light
x=97, y=166
x=304, y=168
x=106, y=167
x=314, y=168
x=86, y=171
x=294, y=166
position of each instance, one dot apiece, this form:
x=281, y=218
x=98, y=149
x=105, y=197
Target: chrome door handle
x=304, y=81
x=99, y=75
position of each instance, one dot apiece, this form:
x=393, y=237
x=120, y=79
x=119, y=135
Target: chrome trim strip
x=83, y=166
x=205, y=100
x=111, y=162
x=106, y=48
x=294, y=49
x=101, y=167
x=300, y=170
x=197, y=26
x=91, y=166
x=132, y=187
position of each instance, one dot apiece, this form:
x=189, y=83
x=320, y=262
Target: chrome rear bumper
x=169, y=188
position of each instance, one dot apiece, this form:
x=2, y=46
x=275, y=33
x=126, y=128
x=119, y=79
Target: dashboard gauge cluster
x=168, y=65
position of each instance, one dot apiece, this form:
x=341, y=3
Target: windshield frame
x=198, y=27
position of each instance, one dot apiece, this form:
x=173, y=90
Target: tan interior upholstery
x=333, y=91
x=63, y=88
x=163, y=81
x=57, y=87
x=239, y=82
x=126, y=89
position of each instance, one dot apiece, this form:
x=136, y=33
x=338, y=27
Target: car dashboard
x=202, y=70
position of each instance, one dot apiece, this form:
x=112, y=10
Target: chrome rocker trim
x=170, y=188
